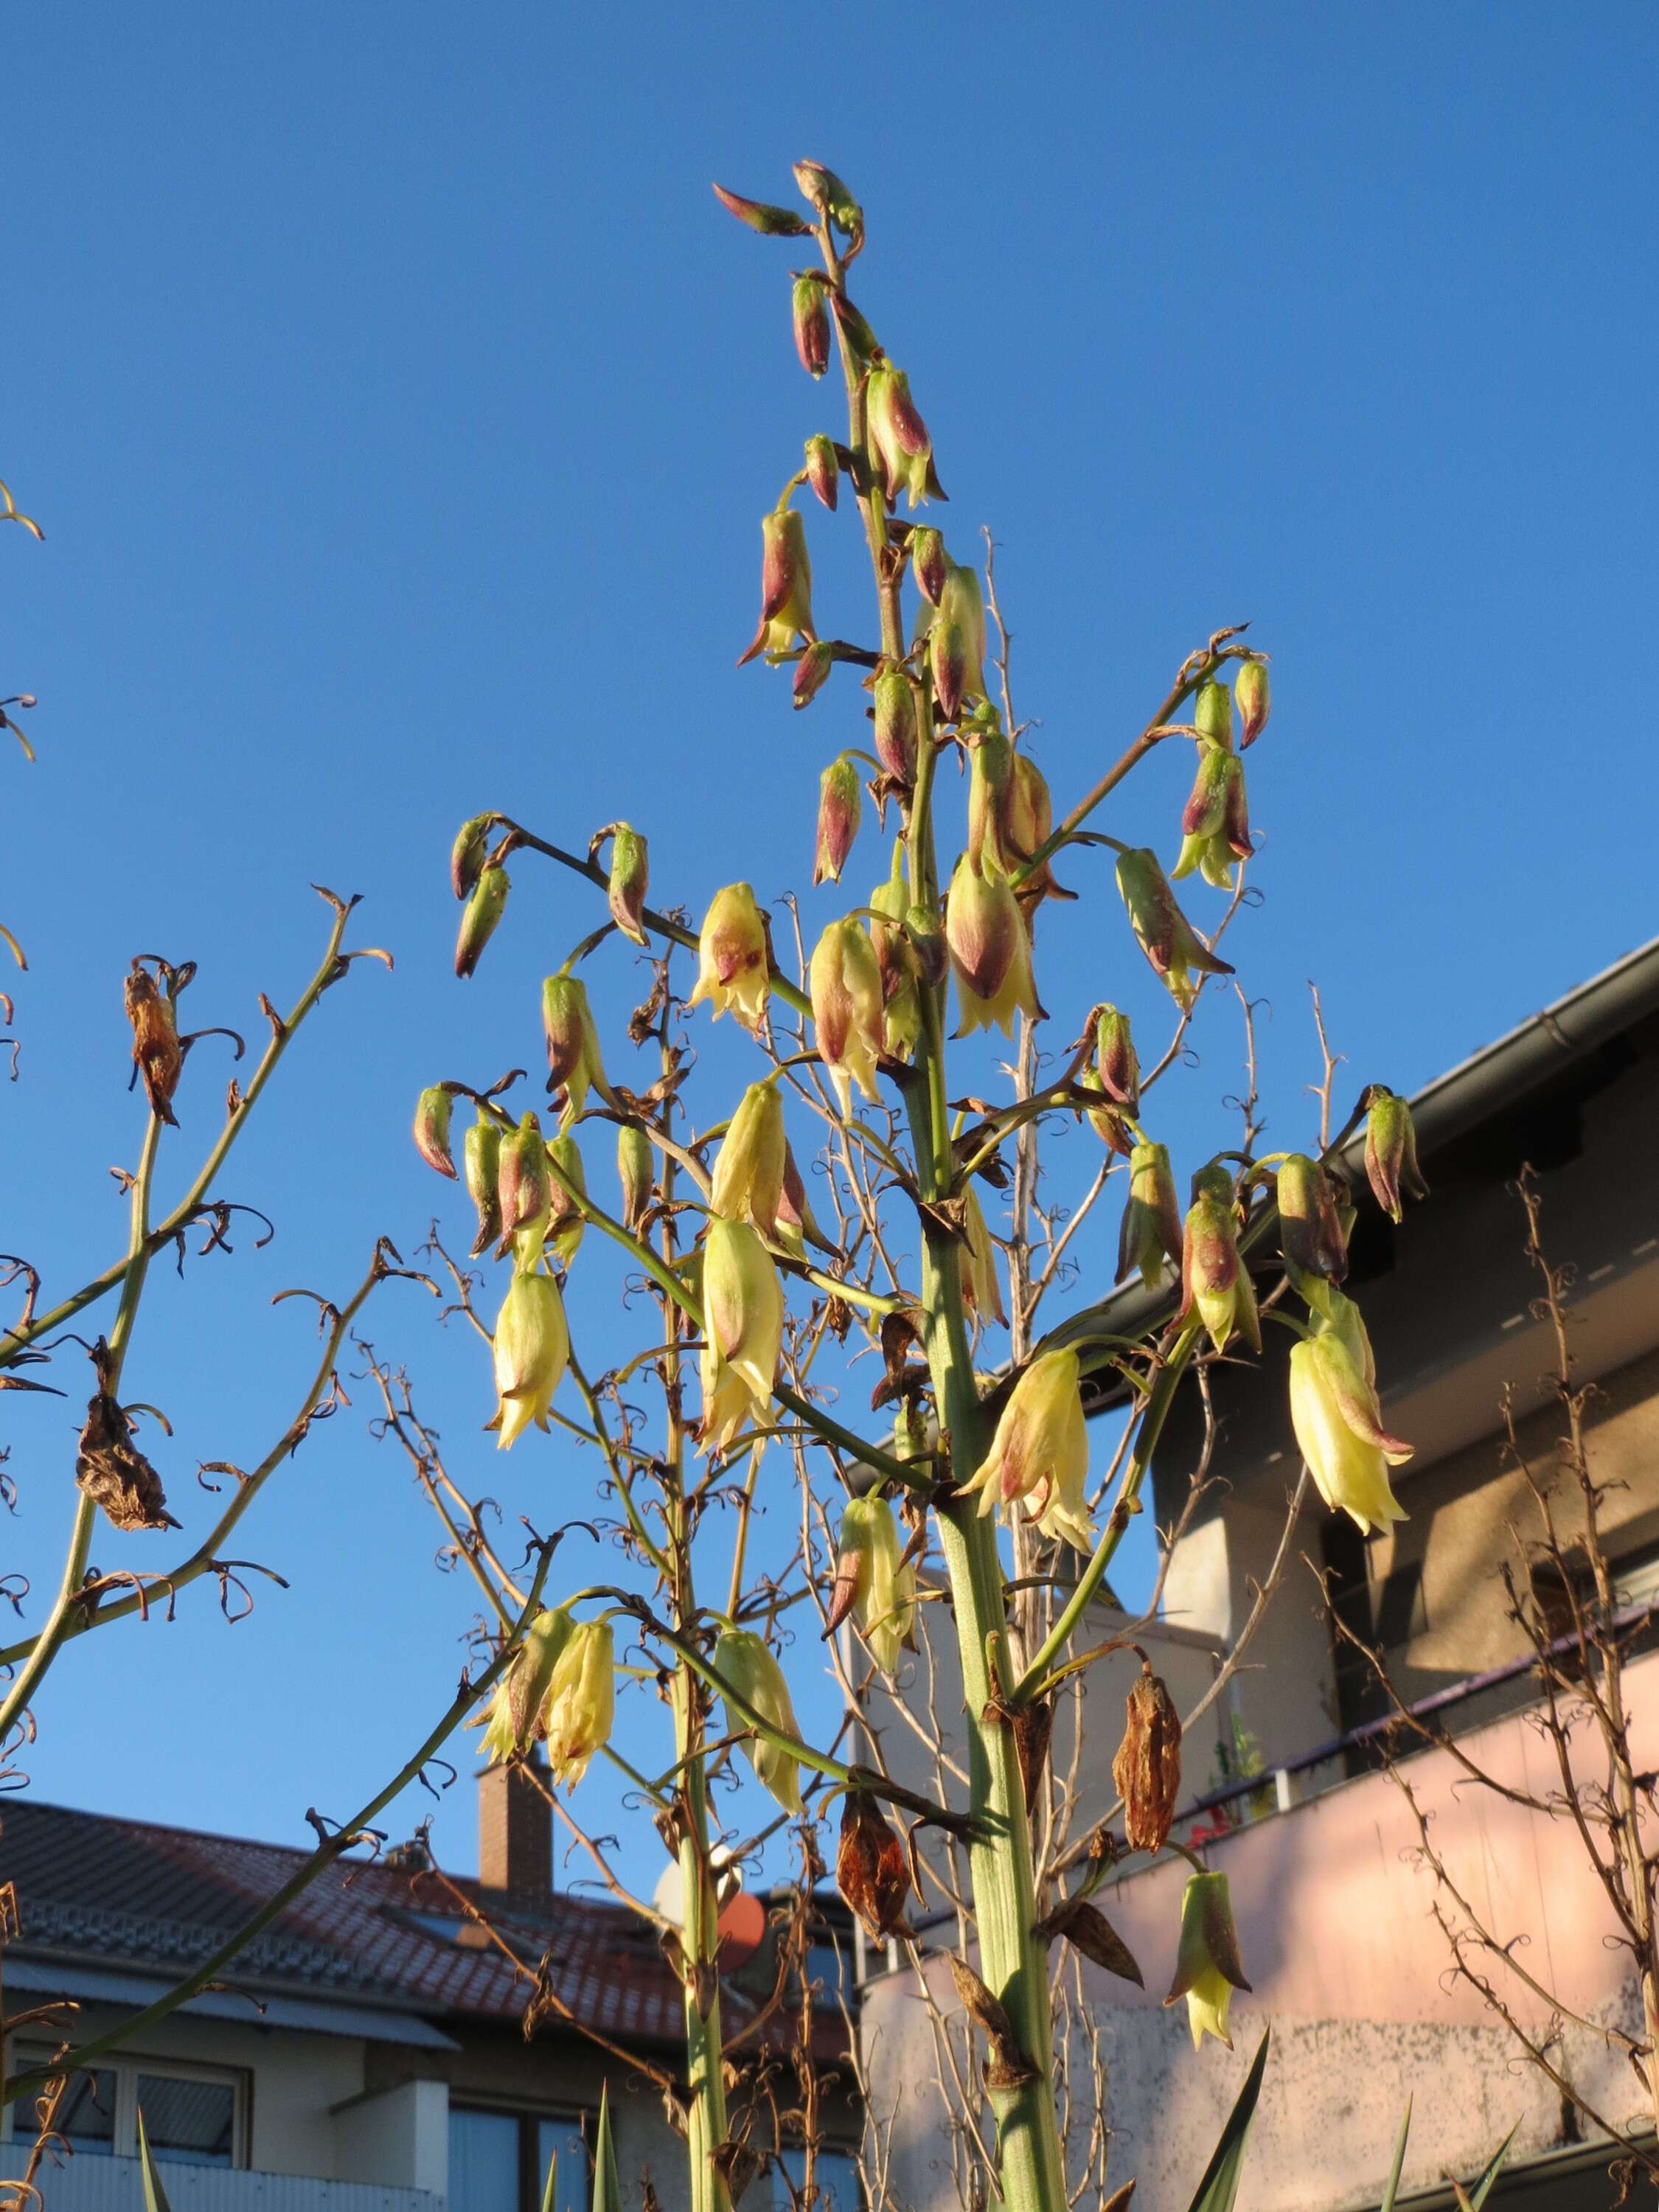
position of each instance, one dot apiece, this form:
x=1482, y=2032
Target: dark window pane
x=189, y=2123
x=564, y=2137
x=87, y=2115
x=836, y=2173
x=483, y=2161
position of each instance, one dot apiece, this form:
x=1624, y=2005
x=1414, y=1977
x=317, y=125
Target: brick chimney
x=515, y=1835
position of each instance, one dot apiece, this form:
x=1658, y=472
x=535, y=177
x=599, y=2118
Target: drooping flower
x=841, y=806
x=573, y=1063
x=1150, y=1234
x=811, y=319
x=1251, y=688
x=748, y=1178
x=900, y=447
x=733, y=969
x=1207, y=1968
x=1039, y=1456
x=824, y=470
x=742, y=1659
x=742, y=1309
x=630, y=878
x=928, y=561
x=432, y=1111
x=1391, y=1151
x=895, y=725
x=1212, y=1276
x=483, y=909
x=982, y=1293
x=467, y=854
x=845, y=982
x=481, y=1157
x=795, y=1221
x=1215, y=829
x=522, y=1182
x=1337, y=1416
x=581, y=1701
x=990, y=951
x=515, y=1708
x=1310, y=1234
x=786, y=587
x=565, y=1220
x=955, y=631
x=532, y=1349
x=874, y=1583
x=637, y=1172
x=1162, y=931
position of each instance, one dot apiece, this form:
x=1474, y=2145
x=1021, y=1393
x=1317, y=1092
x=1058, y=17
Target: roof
x=366, y=1938
x=1528, y=1059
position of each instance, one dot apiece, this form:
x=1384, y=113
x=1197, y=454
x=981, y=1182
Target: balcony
x=89, y=2184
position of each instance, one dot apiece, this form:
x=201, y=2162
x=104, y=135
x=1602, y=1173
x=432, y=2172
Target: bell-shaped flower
x=1212, y=1276
x=874, y=1581
x=630, y=878
x=574, y=1064
x=845, y=982
x=786, y=587
x=1212, y=713
x=1310, y=1232
x=990, y=785
x=982, y=1293
x=733, y=967
x=532, y=1349
x=515, y=1709
x=637, y=1170
x=468, y=854
x=566, y=1189
x=1215, y=829
x=1162, y=931
x=480, y=1162
x=990, y=951
x=928, y=563
x=824, y=470
x=1391, y=1151
x=1039, y=1456
x=1116, y=1076
x=581, y=1701
x=483, y=909
x=748, y=1178
x=795, y=1221
x=1251, y=686
x=895, y=725
x=955, y=631
x=1150, y=1234
x=1337, y=1416
x=897, y=959
x=433, y=1109
x=900, y=447
x=811, y=321
x=742, y=1659
x=1207, y=1968
x=840, y=807
x=522, y=1180
x=743, y=1312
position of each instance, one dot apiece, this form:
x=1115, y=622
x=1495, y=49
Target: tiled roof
x=129, y=1894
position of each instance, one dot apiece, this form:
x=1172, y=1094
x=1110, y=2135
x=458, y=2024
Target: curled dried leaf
x=1087, y=1929
x=111, y=1470
x=1033, y=1727
x=1007, y=2066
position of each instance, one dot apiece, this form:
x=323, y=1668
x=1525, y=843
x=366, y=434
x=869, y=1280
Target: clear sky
x=399, y=407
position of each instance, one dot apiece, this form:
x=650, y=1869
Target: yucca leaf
x=155, y=2198
x=550, y=2190
x=1386, y=2204
x=607, y=2191
x=1220, y=2186
x=1479, y=2191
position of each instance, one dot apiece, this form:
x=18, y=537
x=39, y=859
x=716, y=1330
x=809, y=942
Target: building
x=1334, y=1920
x=368, y=2051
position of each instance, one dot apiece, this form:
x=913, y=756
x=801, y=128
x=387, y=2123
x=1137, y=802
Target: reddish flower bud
x=795, y=1218
x=853, y=327
x=928, y=563
x=895, y=957
x=895, y=725
x=786, y=586
x=1116, y=1061
x=1212, y=1277
x=990, y=951
x=1151, y=1233
x=481, y=1159
x=1251, y=686
x=432, y=1112
x=1212, y=713
x=1310, y=1234
x=840, y=807
x=630, y=878
x=573, y=1065
x=812, y=326
x=822, y=469
x=956, y=641
x=523, y=1183
x=1391, y=1151
x=811, y=672
x=847, y=1009
x=900, y=448
x=871, y=1872
x=466, y=857
x=1215, y=827
x=1162, y=931
x=825, y=190
x=1147, y=1768
x=756, y=216
x=479, y=917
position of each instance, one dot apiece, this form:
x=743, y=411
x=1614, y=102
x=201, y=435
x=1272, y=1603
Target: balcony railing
x=96, y=2184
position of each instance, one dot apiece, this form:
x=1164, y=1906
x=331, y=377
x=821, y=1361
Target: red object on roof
x=741, y=1930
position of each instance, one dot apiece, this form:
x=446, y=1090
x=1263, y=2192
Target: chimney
x=515, y=1835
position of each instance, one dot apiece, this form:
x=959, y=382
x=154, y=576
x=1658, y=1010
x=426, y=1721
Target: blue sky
x=400, y=408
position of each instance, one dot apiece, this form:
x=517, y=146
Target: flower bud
x=812, y=673
x=823, y=469
x=743, y=1310
x=1162, y=931
x=1309, y=1228
x=1115, y=1063
x=825, y=190
x=156, y=1051
x=955, y=639
x=874, y=1581
x=840, y=809
x=1207, y=1968
x=522, y=1178
x=856, y=333
x=532, y=1349
x=990, y=782
x=637, y=1172
x=1338, y=1417
x=432, y=1111
x=1391, y=1151
x=481, y=1157
x=928, y=563
x=871, y=1872
x=786, y=586
x=515, y=1708
x=1251, y=686
x=895, y=725
x=990, y=951
x=748, y=1179
x=1039, y=1456
x=466, y=857
x=742, y=1659
x=572, y=1045
x=845, y=981
x=483, y=910
x=1212, y=713
x=795, y=1222
x=1212, y=1277
x=733, y=971
x=758, y=216
x=1215, y=829
x=565, y=1221
x=982, y=1293
x=811, y=319
x=896, y=959
x=1151, y=1220
x=1148, y=1769
x=900, y=448
x=581, y=1701
x=630, y=876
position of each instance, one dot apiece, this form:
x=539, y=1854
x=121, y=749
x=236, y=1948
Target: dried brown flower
x=155, y=1046
x=870, y=1869
x=1147, y=1768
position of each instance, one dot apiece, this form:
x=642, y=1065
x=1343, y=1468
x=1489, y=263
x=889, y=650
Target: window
x=498, y=2161
x=193, y=2115
x=836, y=2174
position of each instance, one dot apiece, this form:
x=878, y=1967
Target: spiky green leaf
x=607, y=2191
x=155, y=2198
x=1479, y=2191
x=1386, y=2204
x=1220, y=2186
